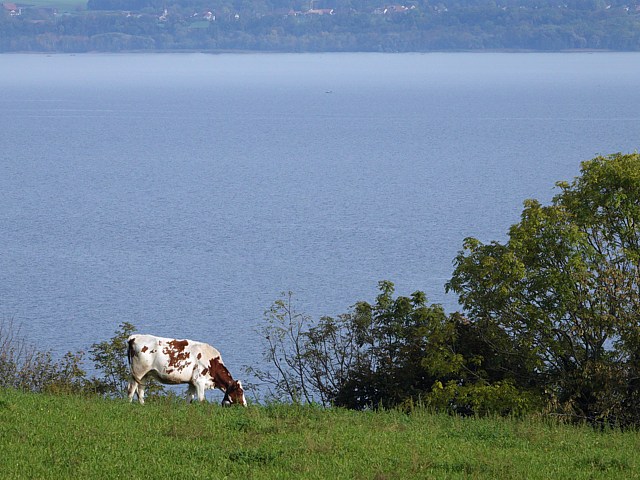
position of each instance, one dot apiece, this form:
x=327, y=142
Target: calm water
x=183, y=193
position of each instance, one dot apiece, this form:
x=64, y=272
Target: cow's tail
x=130, y=351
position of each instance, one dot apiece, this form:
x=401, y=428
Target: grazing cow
x=172, y=361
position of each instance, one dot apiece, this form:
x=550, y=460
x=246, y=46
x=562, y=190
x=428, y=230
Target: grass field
x=57, y=437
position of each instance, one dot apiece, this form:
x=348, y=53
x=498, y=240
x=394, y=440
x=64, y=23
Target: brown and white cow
x=173, y=361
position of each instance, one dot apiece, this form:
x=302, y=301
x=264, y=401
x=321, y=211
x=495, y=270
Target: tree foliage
x=398, y=351
x=283, y=335
x=564, y=289
x=110, y=358
x=551, y=320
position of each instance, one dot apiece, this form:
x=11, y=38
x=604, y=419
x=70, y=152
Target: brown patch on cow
x=222, y=379
x=144, y=349
x=199, y=355
x=179, y=345
x=169, y=371
x=204, y=372
x=213, y=365
x=219, y=373
x=178, y=357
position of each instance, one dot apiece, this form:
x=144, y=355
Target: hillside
x=44, y=436
x=318, y=25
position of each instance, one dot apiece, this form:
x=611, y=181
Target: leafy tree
x=564, y=289
x=284, y=339
x=392, y=337
x=110, y=357
x=415, y=352
x=358, y=359
x=394, y=352
x=332, y=351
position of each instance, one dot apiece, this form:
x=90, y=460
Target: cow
x=174, y=361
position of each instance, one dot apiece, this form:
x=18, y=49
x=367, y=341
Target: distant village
x=413, y=25
x=14, y=10
x=17, y=9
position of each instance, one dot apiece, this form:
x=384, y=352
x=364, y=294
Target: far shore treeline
x=549, y=324
x=318, y=25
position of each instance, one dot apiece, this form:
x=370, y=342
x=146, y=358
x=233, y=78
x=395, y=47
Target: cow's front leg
x=200, y=387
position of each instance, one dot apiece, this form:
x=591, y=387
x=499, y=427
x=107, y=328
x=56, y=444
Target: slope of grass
x=45, y=436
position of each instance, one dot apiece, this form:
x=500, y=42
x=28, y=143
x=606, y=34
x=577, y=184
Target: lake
x=184, y=192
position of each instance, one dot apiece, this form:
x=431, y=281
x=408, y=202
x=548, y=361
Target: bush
x=500, y=398
x=395, y=352
x=27, y=368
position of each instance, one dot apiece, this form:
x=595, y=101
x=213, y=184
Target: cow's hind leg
x=131, y=389
x=141, y=393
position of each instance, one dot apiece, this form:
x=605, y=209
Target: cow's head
x=234, y=395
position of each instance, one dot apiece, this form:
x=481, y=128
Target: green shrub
x=500, y=398
x=27, y=368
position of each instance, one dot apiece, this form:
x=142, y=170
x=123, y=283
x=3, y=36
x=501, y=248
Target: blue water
x=184, y=192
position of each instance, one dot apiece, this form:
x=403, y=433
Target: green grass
x=44, y=436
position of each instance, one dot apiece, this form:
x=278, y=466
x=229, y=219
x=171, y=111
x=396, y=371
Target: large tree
x=564, y=288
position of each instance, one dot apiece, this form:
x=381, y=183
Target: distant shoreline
x=73, y=26
x=270, y=52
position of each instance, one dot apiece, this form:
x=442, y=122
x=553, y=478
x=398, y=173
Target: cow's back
x=207, y=351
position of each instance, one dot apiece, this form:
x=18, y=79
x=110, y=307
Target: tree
x=413, y=352
x=284, y=339
x=564, y=289
x=394, y=352
x=392, y=337
x=365, y=358
x=110, y=357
